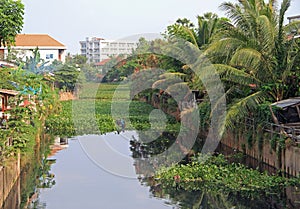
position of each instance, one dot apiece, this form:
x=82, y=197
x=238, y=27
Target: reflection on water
x=82, y=183
x=205, y=197
x=104, y=172
x=34, y=173
x=201, y=199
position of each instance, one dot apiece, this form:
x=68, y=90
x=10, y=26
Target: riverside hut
x=5, y=94
x=289, y=110
x=288, y=116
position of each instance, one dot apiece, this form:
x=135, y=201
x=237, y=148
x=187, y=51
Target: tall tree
x=200, y=35
x=11, y=20
x=253, y=55
x=66, y=77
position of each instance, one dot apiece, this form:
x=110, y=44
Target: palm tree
x=253, y=55
x=199, y=35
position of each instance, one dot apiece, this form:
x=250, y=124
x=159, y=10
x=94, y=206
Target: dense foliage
x=36, y=171
x=11, y=21
x=142, y=58
x=255, y=56
x=257, y=59
x=66, y=77
x=29, y=108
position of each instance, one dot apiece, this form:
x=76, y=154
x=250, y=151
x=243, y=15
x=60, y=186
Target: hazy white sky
x=70, y=21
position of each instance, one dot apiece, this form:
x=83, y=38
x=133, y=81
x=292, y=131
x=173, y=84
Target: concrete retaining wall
x=288, y=160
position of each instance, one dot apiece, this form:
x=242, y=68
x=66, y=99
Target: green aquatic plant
x=216, y=174
x=92, y=113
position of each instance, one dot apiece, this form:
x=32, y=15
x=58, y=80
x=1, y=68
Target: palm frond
x=182, y=50
x=241, y=108
x=192, y=35
x=173, y=75
x=235, y=75
x=266, y=35
x=291, y=57
x=178, y=91
x=247, y=58
x=224, y=48
x=166, y=82
x=284, y=7
x=236, y=14
x=280, y=37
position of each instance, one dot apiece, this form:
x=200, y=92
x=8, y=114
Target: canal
x=98, y=171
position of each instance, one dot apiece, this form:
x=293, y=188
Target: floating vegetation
x=92, y=113
x=216, y=174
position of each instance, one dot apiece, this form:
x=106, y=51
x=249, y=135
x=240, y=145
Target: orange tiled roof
x=103, y=62
x=37, y=40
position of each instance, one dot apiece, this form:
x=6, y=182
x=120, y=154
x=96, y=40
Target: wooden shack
x=289, y=111
x=5, y=94
x=288, y=116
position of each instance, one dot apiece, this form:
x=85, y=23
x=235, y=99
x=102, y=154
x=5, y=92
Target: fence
x=282, y=131
x=9, y=175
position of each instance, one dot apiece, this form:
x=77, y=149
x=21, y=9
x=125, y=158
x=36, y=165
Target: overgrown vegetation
x=92, y=113
x=255, y=54
x=28, y=110
x=216, y=174
x=11, y=21
x=257, y=59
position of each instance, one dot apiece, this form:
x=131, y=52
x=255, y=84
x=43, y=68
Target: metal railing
x=281, y=130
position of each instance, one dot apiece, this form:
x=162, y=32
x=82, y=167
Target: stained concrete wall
x=288, y=160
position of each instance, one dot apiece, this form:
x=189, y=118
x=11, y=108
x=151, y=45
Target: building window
x=49, y=56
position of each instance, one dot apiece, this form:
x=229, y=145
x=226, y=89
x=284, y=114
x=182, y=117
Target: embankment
x=286, y=159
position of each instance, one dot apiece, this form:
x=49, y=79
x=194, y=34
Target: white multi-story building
x=90, y=48
x=99, y=49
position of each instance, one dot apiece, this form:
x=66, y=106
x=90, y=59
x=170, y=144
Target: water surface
x=84, y=181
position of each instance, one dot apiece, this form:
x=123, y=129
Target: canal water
x=99, y=172
x=96, y=172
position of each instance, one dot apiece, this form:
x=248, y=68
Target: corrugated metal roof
x=9, y=92
x=293, y=17
x=287, y=102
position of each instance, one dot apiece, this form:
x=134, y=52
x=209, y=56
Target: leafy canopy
x=254, y=56
x=11, y=20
